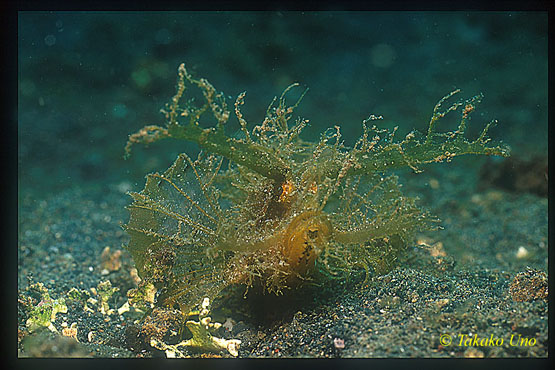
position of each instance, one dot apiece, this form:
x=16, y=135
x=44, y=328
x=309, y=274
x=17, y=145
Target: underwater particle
x=382, y=55
x=141, y=77
x=477, y=198
x=434, y=184
x=119, y=110
x=494, y=196
x=522, y=253
x=529, y=285
x=124, y=186
x=50, y=40
x=163, y=36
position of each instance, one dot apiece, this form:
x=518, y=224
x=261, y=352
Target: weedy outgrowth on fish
x=272, y=209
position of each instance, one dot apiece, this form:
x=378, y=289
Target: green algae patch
x=270, y=209
x=105, y=292
x=142, y=297
x=202, y=338
x=82, y=296
x=44, y=313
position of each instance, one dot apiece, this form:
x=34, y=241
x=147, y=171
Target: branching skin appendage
x=272, y=209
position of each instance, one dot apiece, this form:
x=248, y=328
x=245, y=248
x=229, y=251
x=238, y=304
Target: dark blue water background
x=87, y=80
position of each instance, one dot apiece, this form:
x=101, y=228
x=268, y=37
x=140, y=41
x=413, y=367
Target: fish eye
x=312, y=234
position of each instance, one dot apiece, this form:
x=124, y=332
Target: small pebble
x=338, y=343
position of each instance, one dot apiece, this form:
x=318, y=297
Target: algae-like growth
x=272, y=209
